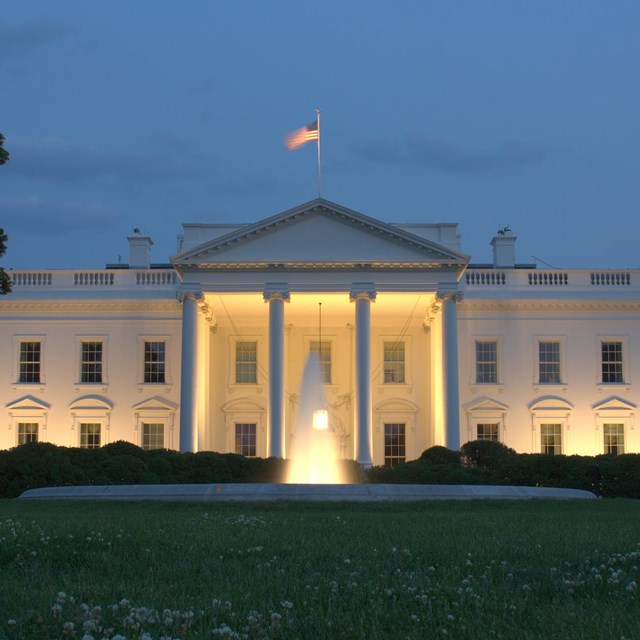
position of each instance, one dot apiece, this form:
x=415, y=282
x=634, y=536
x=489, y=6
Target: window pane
x=323, y=351
x=29, y=370
x=612, y=362
x=394, y=444
x=91, y=362
x=488, y=431
x=246, y=362
x=27, y=432
x=486, y=362
x=152, y=435
x=394, y=362
x=154, y=362
x=549, y=362
x=246, y=439
x=613, y=439
x=90, y=435
x=551, y=438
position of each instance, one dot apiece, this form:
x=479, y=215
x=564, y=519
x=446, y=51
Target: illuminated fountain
x=314, y=457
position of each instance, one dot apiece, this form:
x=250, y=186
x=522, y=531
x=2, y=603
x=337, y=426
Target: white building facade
x=418, y=347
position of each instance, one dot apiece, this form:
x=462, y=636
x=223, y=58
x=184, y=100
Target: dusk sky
x=486, y=113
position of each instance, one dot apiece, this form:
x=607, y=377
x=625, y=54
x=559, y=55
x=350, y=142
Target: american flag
x=301, y=136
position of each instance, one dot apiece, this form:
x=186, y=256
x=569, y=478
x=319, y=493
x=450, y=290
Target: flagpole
x=319, y=165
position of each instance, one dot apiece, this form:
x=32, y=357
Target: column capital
x=189, y=295
x=276, y=291
x=362, y=291
x=455, y=296
x=208, y=313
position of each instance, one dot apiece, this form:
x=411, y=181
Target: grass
x=461, y=570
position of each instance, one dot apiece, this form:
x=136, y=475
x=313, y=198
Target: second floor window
x=549, y=362
x=612, y=371
x=394, y=362
x=154, y=362
x=486, y=362
x=323, y=351
x=246, y=362
x=30, y=361
x=91, y=362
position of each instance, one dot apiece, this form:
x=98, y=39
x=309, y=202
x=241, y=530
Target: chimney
x=139, y=250
x=504, y=249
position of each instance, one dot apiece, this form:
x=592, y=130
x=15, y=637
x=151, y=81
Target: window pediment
x=28, y=403
x=550, y=403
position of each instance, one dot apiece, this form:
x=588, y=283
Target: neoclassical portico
x=391, y=377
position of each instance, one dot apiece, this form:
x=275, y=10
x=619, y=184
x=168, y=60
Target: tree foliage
x=4, y=154
x=5, y=282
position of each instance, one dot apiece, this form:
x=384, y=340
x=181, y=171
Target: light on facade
x=320, y=420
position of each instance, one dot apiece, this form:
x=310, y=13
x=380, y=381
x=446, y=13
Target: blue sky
x=487, y=113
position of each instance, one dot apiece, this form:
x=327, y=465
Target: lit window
x=246, y=439
x=612, y=371
x=152, y=435
x=154, y=362
x=323, y=351
x=549, y=362
x=394, y=362
x=487, y=431
x=486, y=362
x=91, y=362
x=27, y=432
x=551, y=438
x=30, y=360
x=394, y=444
x=90, y=435
x=613, y=438
x=246, y=362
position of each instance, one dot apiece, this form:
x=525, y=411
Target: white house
x=418, y=347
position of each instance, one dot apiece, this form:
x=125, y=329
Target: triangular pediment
x=485, y=404
x=27, y=403
x=155, y=404
x=319, y=233
x=614, y=404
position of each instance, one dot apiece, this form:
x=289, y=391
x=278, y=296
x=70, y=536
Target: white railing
x=30, y=278
x=100, y=279
x=583, y=279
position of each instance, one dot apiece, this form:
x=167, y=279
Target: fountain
x=314, y=456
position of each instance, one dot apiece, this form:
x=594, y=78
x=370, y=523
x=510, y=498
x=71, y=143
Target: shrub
x=485, y=454
x=440, y=455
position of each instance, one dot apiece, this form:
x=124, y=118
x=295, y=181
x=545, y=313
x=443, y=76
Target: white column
x=188, y=371
x=363, y=420
x=450, y=373
x=276, y=299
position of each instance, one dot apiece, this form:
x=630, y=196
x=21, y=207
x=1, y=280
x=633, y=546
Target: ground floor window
x=394, y=443
x=613, y=438
x=152, y=435
x=27, y=432
x=487, y=431
x=551, y=438
x=246, y=438
x=90, y=435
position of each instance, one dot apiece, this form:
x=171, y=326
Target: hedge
x=43, y=464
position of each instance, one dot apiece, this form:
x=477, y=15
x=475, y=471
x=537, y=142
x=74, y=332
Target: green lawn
x=488, y=569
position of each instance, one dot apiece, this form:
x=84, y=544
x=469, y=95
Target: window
x=486, y=362
x=27, y=432
x=154, y=362
x=323, y=351
x=90, y=435
x=394, y=362
x=30, y=359
x=246, y=362
x=152, y=435
x=612, y=371
x=91, y=362
x=488, y=431
x=613, y=438
x=549, y=362
x=394, y=443
x=246, y=438
x=551, y=438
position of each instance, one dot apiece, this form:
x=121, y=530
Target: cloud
x=441, y=155
x=38, y=216
x=18, y=41
x=59, y=160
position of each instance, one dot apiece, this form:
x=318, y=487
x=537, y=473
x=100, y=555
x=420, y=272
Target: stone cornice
x=77, y=305
x=551, y=305
x=321, y=266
